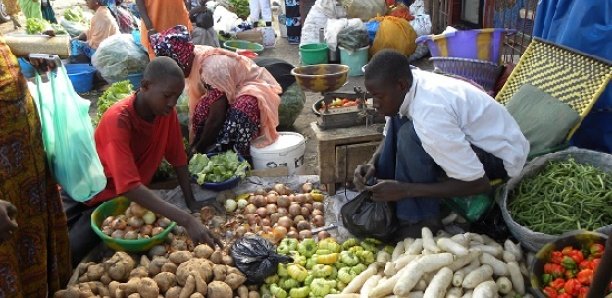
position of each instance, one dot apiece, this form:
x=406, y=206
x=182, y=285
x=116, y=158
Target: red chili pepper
x=564, y=295
x=584, y=291
x=572, y=286
x=586, y=264
x=557, y=284
x=595, y=264
x=550, y=292
x=557, y=270
x=566, y=250
x=548, y=268
x=585, y=276
x=570, y=273
x=596, y=250
x=577, y=256
x=556, y=257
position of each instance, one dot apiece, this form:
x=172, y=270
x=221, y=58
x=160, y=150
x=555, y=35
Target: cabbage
x=217, y=168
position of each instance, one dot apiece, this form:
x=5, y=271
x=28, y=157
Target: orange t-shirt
x=131, y=149
x=164, y=14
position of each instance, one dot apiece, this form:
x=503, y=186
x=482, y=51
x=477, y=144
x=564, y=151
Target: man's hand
x=388, y=191
x=363, y=173
x=44, y=63
x=200, y=234
x=8, y=221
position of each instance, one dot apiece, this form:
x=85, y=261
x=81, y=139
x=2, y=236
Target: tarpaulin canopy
x=584, y=25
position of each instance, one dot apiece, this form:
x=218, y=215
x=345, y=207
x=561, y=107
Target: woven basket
x=484, y=73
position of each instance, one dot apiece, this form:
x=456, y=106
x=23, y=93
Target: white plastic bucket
x=287, y=151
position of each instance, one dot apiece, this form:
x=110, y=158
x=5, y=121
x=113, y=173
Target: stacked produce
x=569, y=272
x=275, y=213
x=322, y=268
x=218, y=168
x=564, y=196
x=464, y=265
x=136, y=223
x=202, y=272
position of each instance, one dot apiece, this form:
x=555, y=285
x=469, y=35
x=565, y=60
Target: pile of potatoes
x=202, y=272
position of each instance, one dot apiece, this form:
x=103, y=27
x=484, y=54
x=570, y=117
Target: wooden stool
x=341, y=150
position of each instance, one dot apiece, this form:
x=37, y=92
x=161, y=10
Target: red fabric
x=131, y=149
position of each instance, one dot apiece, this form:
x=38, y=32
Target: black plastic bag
x=492, y=224
x=363, y=217
x=353, y=39
x=256, y=258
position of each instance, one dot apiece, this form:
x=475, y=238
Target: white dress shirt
x=449, y=115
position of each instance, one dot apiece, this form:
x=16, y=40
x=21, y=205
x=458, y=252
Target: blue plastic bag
x=68, y=136
x=372, y=27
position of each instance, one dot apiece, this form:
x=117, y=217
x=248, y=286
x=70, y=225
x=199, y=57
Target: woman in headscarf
x=233, y=102
x=34, y=249
x=158, y=16
x=31, y=9
x=102, y=25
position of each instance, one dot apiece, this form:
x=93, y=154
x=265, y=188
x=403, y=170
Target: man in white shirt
x=444, y=138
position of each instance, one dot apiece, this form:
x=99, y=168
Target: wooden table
x=341, y=150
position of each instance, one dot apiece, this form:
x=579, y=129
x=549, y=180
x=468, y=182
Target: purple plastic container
x=479, y=44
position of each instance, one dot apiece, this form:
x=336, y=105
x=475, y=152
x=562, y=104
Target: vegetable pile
x=201, y=272
x=272, y=214
x=114, y=93
x=136, y=223
x=464, y=265
x=74, y=14
x=565, y=196
x=323, y=268
x=36, y=26
x=341, y=103
x=218, y=168
x=569, y=272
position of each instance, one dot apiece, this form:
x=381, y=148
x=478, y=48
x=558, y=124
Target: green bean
x=564, y=195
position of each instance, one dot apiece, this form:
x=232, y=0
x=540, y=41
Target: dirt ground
x=283, y=50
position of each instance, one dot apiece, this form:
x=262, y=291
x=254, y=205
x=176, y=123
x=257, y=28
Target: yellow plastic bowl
x=321, y=77
x=116, y=207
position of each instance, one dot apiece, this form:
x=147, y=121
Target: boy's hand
x=388, y=191
x=200, y=234
x=8, y=222
x=363, y=173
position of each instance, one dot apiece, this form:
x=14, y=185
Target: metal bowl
x=321, y=77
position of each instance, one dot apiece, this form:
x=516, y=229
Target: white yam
x=355, y=285
x=487, y=289
x=428, y=240
x=462, y=261
x=476, y=277
x=514, y=249
x=369, y=285
x=451, y=246
x=407, y=243
x=398, y=251
x=440, y=282
x=415, y=248
x=499, y=267
x=404, y=260
x=518, y=282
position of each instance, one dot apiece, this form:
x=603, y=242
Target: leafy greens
x=217, y=168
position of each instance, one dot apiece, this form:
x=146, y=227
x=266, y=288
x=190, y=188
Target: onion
x=283, y=201
x=271, y=198
x=266, y=222
x=280, y=189
x=308, y=199
x=107, y=230
x=303, y=225
x=137, y=210
x=118, y=234
x=318, y=220
x=300, y=198
x=285, y=222
x=131, y=235
x=119, y=224
x=282, y=211
x=291, y=198
x=295, y=209
x=207, y=213
x=309, y=206
x=149, y=218
x=292, y=234
x=242, y=203
x=316, y=212
x=146, y=230
x=322, y=235
x=305, y=212
x=163, y=222
x=260, y=191
x=252, y=218
x=135, y=222
x=298, y=218
x=250, y=209
x=156, y=231
x=240, y=231
x=266, y=229
x=141, y=236
x=304, y=234
x=318, y=206
x=255, y=228
x=262, y=212
x=279, y=233
x=274, y=218
x=259, y=201
x=307, y=187
x=272, y=208
x=230, y=205
x=107, y=221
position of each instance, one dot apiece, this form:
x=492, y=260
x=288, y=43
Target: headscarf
x=236, y=75
x=176, y=44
